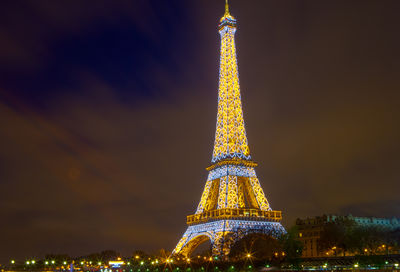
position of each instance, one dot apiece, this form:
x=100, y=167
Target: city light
x=12, y=261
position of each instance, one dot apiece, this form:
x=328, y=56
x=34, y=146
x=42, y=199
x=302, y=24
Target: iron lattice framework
x=233, y=203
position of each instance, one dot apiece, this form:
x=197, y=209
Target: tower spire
x=226, y=8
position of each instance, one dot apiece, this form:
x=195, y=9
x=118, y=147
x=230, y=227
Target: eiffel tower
x=233, y=203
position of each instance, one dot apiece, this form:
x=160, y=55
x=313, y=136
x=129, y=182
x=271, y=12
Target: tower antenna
x=226, y=8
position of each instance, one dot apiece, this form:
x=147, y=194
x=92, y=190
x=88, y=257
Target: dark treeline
x=345, y=237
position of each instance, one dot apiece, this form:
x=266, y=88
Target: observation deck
x=234, y=214
x=232, y=161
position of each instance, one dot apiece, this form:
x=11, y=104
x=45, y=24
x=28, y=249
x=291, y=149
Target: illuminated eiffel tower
x=233, y=203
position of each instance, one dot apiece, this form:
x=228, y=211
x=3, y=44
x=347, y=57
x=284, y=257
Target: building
x=310, y=229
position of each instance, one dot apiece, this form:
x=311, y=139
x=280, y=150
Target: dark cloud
x=108, y=115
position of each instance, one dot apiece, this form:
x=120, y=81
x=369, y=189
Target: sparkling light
x=233, y=203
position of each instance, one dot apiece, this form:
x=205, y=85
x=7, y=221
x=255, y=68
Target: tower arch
x=195, y=241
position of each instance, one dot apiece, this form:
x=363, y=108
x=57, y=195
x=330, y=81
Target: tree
x=255, y=246
x=292, y=246
x=337, y=234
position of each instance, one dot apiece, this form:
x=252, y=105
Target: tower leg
x=223, y=241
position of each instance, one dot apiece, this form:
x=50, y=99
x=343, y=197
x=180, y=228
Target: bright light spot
x=137, y=257
x=33, y=261
x=141, y=263
x=27, y=262
x=12, y=261
x=356, y=265
x=396, y=264
x=248, y=255
x=52, y=262
x=46, y=262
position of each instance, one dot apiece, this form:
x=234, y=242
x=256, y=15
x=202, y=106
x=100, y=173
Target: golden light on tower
x=233, y=203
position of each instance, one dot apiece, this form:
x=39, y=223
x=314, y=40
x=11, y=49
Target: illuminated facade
x=233, y=203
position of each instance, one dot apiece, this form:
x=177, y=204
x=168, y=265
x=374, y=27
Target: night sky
x=108, y=111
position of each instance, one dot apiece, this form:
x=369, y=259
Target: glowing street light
x=53, y=262
x=12, y=261
x=28, y=262
x=46, y=262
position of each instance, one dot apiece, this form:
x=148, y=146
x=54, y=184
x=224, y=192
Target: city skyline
x=110, y=113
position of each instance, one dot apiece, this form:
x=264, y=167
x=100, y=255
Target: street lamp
x=12, y=262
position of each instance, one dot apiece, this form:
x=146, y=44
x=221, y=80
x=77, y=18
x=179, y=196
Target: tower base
x=223, y=234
